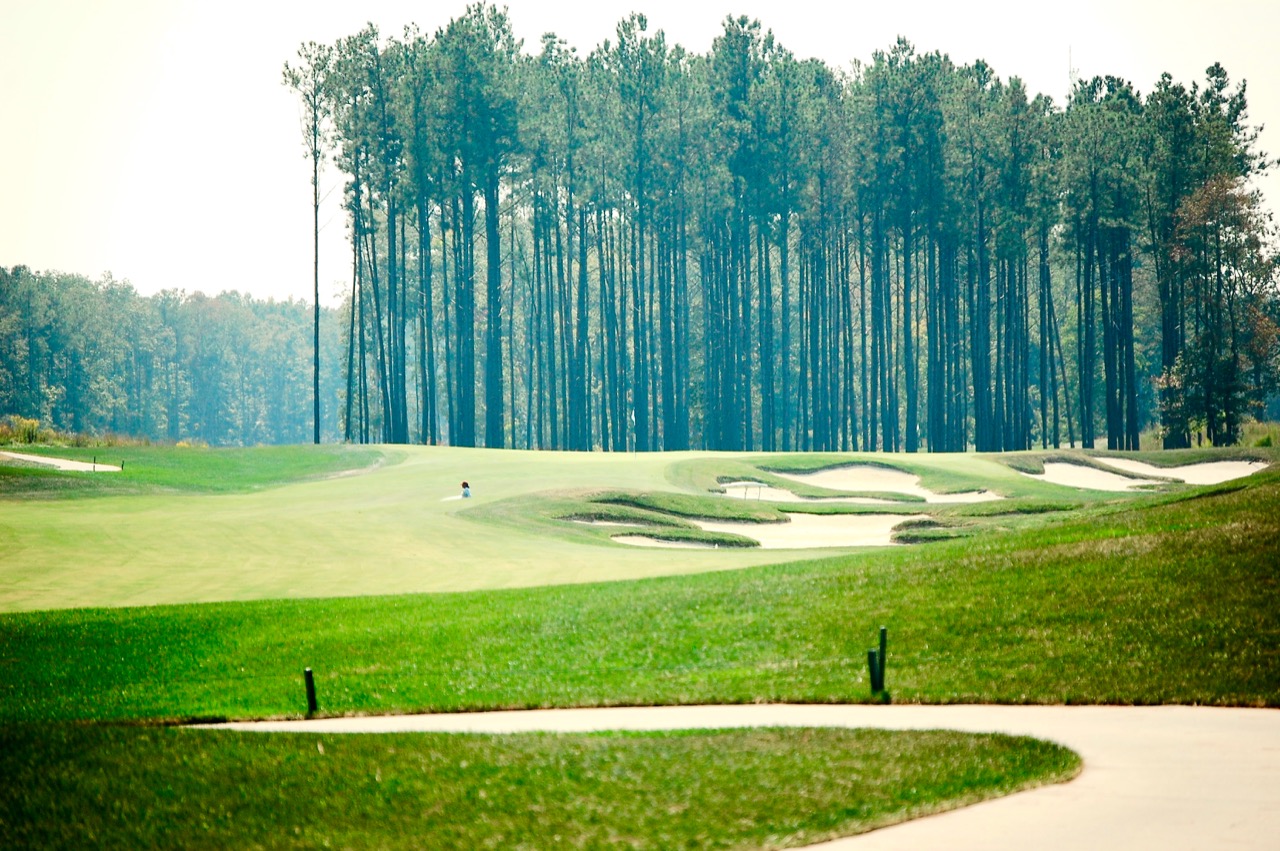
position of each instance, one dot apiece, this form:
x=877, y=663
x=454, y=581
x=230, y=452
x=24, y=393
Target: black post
x=884, y=652
x=873, y=664
x=311, y=691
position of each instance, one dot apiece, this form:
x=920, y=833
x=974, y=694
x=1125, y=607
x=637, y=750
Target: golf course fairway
x=195, y=585
x=397, y=526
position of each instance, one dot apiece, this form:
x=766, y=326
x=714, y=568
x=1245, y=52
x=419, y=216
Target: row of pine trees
x=645, y=248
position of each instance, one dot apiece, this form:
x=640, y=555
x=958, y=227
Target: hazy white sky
x=152, y=139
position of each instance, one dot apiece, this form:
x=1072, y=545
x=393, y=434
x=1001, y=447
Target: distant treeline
x=652, y=249
x=648, y=248
x=94, y=357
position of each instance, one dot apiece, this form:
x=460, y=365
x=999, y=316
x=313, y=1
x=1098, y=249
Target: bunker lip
x=591, y=521
x=648, y=541
x=768, y=493
x=802, y=531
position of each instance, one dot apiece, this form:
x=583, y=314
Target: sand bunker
x=646, y=541
x=1087, y=478
x=804, y=531
x=1209, y=473
x=63, y=463
x=767, y=493
x=870, y=477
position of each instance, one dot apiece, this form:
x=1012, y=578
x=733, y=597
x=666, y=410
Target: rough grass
x=114, y=787
x=181, y=469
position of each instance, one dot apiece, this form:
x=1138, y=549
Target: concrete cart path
x=1167, y=777
x=64, y=464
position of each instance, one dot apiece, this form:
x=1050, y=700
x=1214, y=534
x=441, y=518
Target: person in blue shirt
x=466, y=490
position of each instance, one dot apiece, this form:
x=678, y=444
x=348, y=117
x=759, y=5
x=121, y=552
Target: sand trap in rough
x=756, y=490
x=1087, y=478
x=63, y=463
x=870, y=477
x=1209, y=473
x=804, y=531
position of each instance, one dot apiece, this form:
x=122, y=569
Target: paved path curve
x=1167, y=777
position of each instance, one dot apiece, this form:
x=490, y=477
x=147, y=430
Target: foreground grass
x=72, y=787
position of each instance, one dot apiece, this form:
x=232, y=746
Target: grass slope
x=1159, y=603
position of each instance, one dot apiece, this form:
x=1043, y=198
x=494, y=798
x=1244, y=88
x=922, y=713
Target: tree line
x=94, y=357
x=645, y=248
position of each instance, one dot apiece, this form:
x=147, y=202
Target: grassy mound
x=173, y=788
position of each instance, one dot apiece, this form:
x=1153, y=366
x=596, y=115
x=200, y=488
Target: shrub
x=18, y=429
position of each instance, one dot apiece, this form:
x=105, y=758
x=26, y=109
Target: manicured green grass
x=1151, y=598
x=114, y=787
x=1169, y=602
x=198, y=525
x=399, y=529
x=169, y=469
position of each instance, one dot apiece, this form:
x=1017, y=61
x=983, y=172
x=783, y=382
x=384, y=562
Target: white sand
x=62, y=463
x=808, y=531
x=871, y=477
x=1086, y=478
x=767, y=493
x=646, y=541
x=803, y=531
x=1167, y=777
x=1209, y=473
